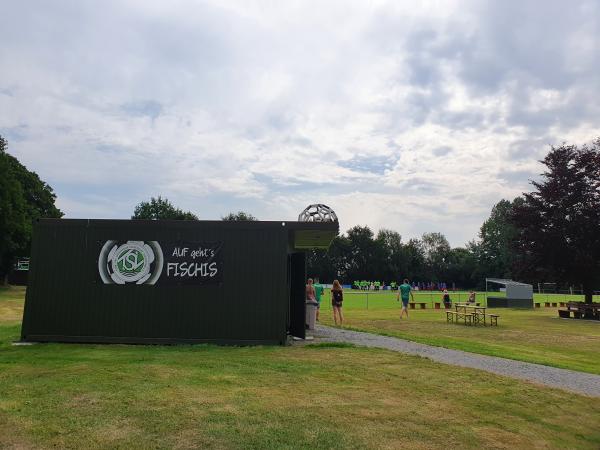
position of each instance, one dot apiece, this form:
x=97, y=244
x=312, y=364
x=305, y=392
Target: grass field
x=528, y=335
x=430, y=297
x=324, y=396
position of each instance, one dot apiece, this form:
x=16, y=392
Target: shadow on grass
x=331, y=345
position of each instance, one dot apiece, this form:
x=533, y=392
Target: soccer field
x=532, y=335
x=387, y=299
x=311, y=397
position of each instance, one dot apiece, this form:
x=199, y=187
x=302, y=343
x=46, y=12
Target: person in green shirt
x=318, y=293
x=404, y=291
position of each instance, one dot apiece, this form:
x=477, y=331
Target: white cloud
x=411, y=116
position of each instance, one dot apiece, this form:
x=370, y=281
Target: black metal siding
x=66, y=301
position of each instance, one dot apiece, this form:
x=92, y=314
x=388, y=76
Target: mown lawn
x=119, y=396
x=537, y=335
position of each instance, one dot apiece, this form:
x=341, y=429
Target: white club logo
x=136, y=262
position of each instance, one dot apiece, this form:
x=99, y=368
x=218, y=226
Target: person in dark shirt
x=446, y=299
x=337, y=297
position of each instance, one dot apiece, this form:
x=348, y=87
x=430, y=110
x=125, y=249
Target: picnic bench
x=413, y=304
x=471, y=314
x=580, y=310
x=455, y=316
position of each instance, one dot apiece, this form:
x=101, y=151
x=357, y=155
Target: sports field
x=536, y=335
x=430, y=297
x=123, y=396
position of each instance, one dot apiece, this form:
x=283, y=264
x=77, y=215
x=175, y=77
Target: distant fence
x=370, y=298
x=429, y=297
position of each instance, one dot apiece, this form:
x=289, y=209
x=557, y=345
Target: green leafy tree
x=436, y=250
x=239, y=216
x=392, y=256
x=494, y=249
x=416, y=260
x=24, y=197
x=361, y=260
x=461, y=267
x=331, y=264
x=558, y=224
x=160, y=209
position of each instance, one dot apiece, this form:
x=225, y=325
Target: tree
x=159, y=208
x=558, y=224
x=436, y=249
x=415, y=254
x=495, y=253
x=328, y=265
x=461, y=267
x=24, y=197
x=362, y=257
x=392, y=256
x=239, y=216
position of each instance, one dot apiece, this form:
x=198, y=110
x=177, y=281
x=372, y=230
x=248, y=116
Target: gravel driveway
x=569, y=380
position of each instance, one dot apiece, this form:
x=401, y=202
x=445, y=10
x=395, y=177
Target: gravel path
x=570, y=380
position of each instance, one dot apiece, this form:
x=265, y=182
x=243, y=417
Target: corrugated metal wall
x=66, y=301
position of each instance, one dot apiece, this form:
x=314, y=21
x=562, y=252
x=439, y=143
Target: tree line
x=162, y=208
x=360, y=254
x=551, y=234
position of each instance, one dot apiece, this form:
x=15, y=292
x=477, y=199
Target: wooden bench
x=412, y=304
x=580, y=310
x=564, y=313
x=454, y=316
x=493, y=319
x=438, y=305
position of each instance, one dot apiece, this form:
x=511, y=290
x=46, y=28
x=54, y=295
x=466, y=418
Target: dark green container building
x=137, y=281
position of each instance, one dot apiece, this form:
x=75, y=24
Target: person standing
x=446, y=299
x=404, y=292
x=337, y=297
x=318, y=293
x=472, y=296
x=310, y=290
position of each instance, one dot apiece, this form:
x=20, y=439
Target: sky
x=411, y=116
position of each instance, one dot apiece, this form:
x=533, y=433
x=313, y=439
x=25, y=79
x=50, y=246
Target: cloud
x=142, y=108
x=441, y=151
x=411, y=116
